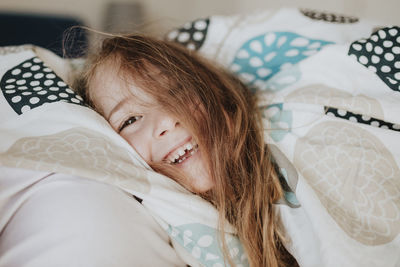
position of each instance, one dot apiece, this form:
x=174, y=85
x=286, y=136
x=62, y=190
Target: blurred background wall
x=157, y=16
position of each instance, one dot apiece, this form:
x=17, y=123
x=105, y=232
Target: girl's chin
x=194, y=168
x=202, y=187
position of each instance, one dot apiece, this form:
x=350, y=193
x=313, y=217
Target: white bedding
x=330, y=95
x=331, y=121
x=45, y=127
x=54, y=219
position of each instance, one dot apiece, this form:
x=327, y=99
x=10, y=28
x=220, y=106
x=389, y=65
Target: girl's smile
x=182, y=152
x=156, y=136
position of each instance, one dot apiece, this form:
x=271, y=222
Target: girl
x=198, y=125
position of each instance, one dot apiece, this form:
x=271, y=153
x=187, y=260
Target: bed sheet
x=329, y=89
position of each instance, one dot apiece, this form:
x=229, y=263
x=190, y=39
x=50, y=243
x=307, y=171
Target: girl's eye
x=129, y=121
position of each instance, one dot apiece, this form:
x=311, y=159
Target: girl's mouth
x=182, y=153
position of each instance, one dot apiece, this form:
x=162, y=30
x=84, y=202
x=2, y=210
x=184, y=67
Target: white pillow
x=45, y=126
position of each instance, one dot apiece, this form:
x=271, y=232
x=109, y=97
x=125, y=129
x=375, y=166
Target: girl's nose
x=165, y=124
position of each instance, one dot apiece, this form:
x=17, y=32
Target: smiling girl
x=198, y=125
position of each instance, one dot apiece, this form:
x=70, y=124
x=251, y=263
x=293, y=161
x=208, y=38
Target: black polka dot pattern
x=32, y=84
x=381, y=54
x=347, y=115
x=191, y=35
x=328, y=17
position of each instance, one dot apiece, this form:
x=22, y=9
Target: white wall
x=163, y=14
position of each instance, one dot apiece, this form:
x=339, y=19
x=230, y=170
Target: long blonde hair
x=227, y=126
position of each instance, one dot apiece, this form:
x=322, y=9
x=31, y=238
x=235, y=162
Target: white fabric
x=330, y=98
x=69, y=138
x=63, y=220
x=343, y=204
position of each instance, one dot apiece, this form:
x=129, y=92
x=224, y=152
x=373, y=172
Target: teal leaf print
x=263, y=56
x=201, y=241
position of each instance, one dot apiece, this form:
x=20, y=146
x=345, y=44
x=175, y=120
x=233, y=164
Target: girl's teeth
x=192, y=147
x=189, y=146
x=181, y=152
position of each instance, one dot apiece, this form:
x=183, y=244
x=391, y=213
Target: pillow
x=31, y=84
x=55, y=219
x=45, y=126
x=257, y=46
x=328, y=88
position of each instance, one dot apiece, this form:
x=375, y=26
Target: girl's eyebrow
x=117, y=107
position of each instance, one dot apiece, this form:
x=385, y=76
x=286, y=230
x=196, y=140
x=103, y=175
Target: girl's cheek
x=140, y=144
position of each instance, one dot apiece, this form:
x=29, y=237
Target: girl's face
x=154, y=134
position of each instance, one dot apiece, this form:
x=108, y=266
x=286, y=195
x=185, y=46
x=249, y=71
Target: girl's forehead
x=115, y=77
x=110, y=81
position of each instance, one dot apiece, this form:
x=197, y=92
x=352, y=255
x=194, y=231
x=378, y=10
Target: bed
x=329, y=90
